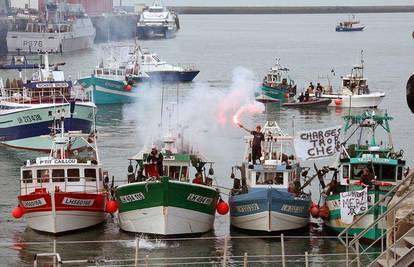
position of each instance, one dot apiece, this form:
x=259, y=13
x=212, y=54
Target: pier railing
x=138, y=252
x=356, y=250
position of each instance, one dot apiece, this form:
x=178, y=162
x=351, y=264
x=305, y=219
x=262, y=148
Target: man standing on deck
x=258, y=137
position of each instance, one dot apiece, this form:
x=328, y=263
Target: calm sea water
x=230, y=51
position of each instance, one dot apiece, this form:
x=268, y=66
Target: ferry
x=65, y=191
x=354, y=91
x=29, y=107
x=167, y=203
x=365, y=163
x=277, y=86
x=350, y=25
x=63, y=28
x=264, y=198
x=157, y=21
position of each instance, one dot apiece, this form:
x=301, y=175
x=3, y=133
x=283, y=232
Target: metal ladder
x=401, y=251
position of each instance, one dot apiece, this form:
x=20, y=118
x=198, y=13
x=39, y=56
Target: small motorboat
x=263, y=98
x=313, y=103
x=350, y=25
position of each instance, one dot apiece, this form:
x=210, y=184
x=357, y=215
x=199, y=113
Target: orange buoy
x=338, y=102
x=222, y=207
x=17, y=212
x=111, y=206
x=128, y=87
x=324, y=212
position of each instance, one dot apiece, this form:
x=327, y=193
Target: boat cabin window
x=184, y=173
x=345, y=172
x=400, y=173
x=263, y=178
x=27, y=176
x=90, y=174
x=119, y=72
x=58, y=175
x=382, y=172
x=42, y=176
x=113, y=72
x=106, y=72
x=99, y=72
x=174, y=172
x=100, y=174
x=73, y=175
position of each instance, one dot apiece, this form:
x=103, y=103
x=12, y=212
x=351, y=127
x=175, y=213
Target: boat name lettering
x=248, y=207
x=77, y=202
x=199, y=199
x=32, y=43
x=56, y=161
x=51, y=85
x=169, y=157
x=113, y=85
x=29, y=118
x=34, y=203
x=132, y=197
x=293, y=209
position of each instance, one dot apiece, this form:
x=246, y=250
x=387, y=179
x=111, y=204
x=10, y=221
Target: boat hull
x=269, y=210
x=355, y=101
x=173, y=76
x=166, y=207
x=148, y=32
x=348, y=29
x=67, y=212
x=273, y=93
x=28, y=128
x=109, y=91
x=64, y=42
x=334, y=223
x=319, y=103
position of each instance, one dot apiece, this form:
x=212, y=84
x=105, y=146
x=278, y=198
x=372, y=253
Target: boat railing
x=62, y=184
x=140, y=251
x=353, y=242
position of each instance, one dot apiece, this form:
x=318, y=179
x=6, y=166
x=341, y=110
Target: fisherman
x=311, y=88
x=198, y=179
x=258, y=137
x=306, y=96
x=301, y=97
x=367, y=177
x=319, y=90
x=155, y=157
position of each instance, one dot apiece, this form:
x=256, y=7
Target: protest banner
x=353, y=203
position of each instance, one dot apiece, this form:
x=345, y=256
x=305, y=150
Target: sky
x=33, y=3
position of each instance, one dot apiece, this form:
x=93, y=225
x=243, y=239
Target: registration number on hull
x=32, y=43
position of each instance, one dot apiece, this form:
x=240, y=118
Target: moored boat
x=63, y=192
x=265, y=198
x=28, y=109
x=368, y=170
x=276, y=84
x=167, y=203
x=350, y=25
x=312, y=103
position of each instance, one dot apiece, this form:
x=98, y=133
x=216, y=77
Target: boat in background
x=277, y=85
x=29, y=109
x=383, y=163
x=350, y=25
x=157, y=21
x=312, y=103
x=354, y=91
x=63, y=192
x=63, y=28
x=263, y=199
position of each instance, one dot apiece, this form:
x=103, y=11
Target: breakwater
x=291, y=9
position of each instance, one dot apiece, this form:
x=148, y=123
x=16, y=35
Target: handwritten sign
x=353, y=203
x=316, y=144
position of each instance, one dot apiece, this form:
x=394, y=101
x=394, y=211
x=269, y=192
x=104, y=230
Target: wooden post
x=146, y=260
x=282, y=243
x=226, y=241
x=245, y=259
x=306, y=259
x=136, y=251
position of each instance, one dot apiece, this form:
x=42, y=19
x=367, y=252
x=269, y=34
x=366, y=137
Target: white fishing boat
x=157, y=21
x=29, y=109
x=62, y=28
x=64, y=191
x=354, y=91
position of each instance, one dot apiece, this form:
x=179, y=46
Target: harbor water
x=233, y=53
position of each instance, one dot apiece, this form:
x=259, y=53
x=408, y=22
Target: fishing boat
x=277, y=85
x=167, y=203
x=264, y=198
x=65, y=191
x=312, y=103
x=63, y=28
x=365, y=163
x=354, y=91
x=350, y=25
x=30, y=106
x=157, y=21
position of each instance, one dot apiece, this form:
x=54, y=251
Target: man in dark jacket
x=156, y=157
x=258, y=137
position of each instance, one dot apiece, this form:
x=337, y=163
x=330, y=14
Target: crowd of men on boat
x=311, y=90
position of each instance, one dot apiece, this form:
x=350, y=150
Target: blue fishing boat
x=277, y=86
x=29, y=108
x=350, y=25
x=268, y=196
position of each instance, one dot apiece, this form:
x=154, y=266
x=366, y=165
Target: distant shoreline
x=290, y=9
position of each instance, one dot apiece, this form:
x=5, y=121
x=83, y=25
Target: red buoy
x=286, y=95
x=111, y=206
x=128, y=87
x=222, y=207
x=314, y=211
x=338, y=102
x=17, y=212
